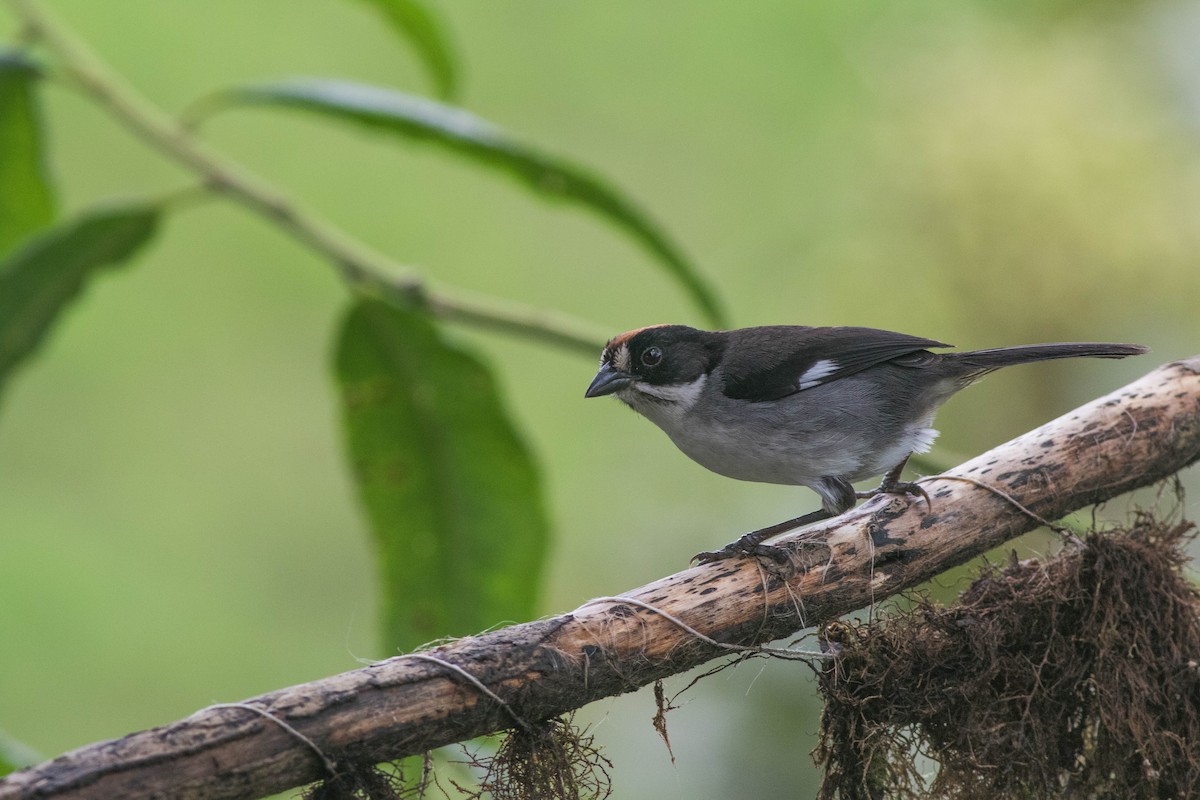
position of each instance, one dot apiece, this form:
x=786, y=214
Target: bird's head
x=658, y=363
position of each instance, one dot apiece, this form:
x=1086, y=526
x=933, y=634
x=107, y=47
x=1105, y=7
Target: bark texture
x=1131, y=438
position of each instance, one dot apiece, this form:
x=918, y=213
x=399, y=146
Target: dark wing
x=756, y=367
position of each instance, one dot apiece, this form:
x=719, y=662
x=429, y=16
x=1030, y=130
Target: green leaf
x=26, y=198
x=450, y=490
x=15, y=755
x=39, y=281
x=416, y=22
x=466, y=134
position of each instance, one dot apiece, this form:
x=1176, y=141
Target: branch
x=1131, y=438
x=363, y=268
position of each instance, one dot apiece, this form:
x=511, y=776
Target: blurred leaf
x=415, y=21
x=450, y=490
x=464, y=133
x=15, y=755
x=26, y=199
x=42, y=278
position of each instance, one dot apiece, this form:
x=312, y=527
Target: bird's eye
x=651, y=356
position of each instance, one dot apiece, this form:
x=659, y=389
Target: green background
x=177, y=524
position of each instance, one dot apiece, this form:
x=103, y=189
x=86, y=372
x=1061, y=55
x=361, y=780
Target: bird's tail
x=975, y=363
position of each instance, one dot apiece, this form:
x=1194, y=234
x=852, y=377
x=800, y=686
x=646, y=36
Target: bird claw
x=751, y=544
x=902, y=488
x=742, y=548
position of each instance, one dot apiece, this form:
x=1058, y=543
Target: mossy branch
x=1131, y=438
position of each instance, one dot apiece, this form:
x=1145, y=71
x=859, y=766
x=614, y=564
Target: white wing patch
x=814, y=374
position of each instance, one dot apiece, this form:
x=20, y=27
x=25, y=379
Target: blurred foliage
x=14, y=755
x=1030, y=177
x=173, y=499
x=448, y=485
x=460, y=132
x=26, y=199
x=42, y=278
x=416, y=21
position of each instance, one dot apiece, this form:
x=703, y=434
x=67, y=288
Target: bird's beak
x=607, y=381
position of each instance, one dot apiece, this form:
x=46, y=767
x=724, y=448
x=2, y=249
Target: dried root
x=1079, y=677
x=368, y=782
x=552, y=760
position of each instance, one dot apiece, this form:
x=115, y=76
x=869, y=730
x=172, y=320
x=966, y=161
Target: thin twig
x=363, y=268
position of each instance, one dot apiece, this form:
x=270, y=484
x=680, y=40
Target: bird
x=821, y=407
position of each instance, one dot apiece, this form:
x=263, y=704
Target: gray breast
x=855, y=428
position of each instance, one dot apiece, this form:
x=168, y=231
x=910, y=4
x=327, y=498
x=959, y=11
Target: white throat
x=665, y=405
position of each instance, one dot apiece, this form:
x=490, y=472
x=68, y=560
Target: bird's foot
x=891, y=484
x=748, y=545
x=751, y=544
x=901, y=488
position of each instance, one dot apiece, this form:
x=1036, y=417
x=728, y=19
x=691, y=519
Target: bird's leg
x=891, y=484
x=837, y=496
x=751, y=544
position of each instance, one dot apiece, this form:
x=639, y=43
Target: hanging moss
x=1078, y=677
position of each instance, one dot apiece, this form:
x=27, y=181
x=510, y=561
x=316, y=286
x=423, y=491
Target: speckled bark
x=1133, y=437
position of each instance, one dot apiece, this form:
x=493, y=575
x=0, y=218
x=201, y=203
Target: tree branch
x=364, y=269
x=1131, y=438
